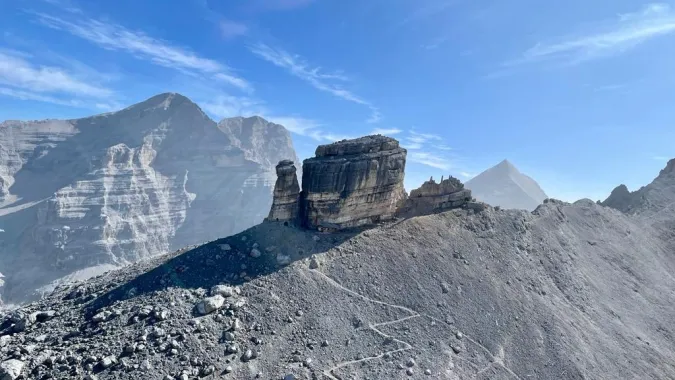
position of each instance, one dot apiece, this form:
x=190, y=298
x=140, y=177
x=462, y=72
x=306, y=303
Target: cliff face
x=88, y=194
x=352, y=183
x=286, y=194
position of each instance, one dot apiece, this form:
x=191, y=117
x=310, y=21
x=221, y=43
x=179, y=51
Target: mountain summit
x=505, y=186
x=81, y=196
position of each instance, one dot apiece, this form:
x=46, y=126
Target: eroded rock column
x=286, y=194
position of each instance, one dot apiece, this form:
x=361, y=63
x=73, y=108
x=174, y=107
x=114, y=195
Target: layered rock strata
x=352, y=183
x=434, y=197
x=78, y=197
x=286, y=194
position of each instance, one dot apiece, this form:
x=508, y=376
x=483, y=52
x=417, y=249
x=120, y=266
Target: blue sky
x=578, y=94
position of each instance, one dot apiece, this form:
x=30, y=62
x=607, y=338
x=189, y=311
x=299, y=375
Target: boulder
x=352, y=183
x=210, y=304
x=10, y=369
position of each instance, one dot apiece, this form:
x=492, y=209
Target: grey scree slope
x=78, y=197
x=505, y=186
x=570, y=291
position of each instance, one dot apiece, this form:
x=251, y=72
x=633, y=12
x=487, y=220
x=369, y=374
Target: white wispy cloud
x=226, y=105
x=312, y=75
x=298, y=125
x=430, y=159
x=115, y=37
x=467, y=175
x=660, y=158
x=622, y=34
x=28, y=95
x=386, y=131
x=18, y=73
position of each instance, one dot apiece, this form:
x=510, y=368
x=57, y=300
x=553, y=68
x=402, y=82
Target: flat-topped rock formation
x=359, y=182
x=286, y=193
x=434, y=197
x=352, y=183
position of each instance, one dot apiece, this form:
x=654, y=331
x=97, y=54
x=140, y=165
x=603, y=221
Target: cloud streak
x=25, y=80
x=115, y=37
x=297, y=67
x=624, y=33
x=386, y=131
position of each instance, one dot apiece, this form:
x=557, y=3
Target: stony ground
x=567, y=292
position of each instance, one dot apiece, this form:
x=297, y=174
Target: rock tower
x=286, y=193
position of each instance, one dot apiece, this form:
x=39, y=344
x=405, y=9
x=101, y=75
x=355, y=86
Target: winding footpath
x=495, y=360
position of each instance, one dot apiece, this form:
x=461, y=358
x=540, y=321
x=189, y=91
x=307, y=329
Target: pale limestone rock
x=78, y=197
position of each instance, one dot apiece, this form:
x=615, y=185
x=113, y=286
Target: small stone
x=228, y=369
x=173, y=351
x=313, y=263
x=248, y=355
x=299, y=313
x=229, y=336
x=237, y=325
x=210, y=304
x=129, y=349
x=205, y=371
x=43, y=316
x=91, y=376
x=316, y=238
x=324, y=343
x=232, y=349
x=456, y=349
x=459, y=335
x=162, y=315
x=307, y=362
x=223, y=290
x=445, y=287
x=184, y=376
x=11, y=369
x=410, y=362
x=427, y=372
x=409, y=372
x=101, y=317
x=225, y=247
x=108, y=362
x=255, y=253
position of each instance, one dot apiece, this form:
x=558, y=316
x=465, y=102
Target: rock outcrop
x=352, y=183
x=82, y=196
x=285, y=207
x=434, y=197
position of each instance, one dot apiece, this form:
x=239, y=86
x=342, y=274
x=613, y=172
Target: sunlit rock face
x=77, y=196
x=352, y=183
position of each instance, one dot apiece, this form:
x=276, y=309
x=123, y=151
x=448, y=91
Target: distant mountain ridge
x=114, y=188
x=505, y=186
